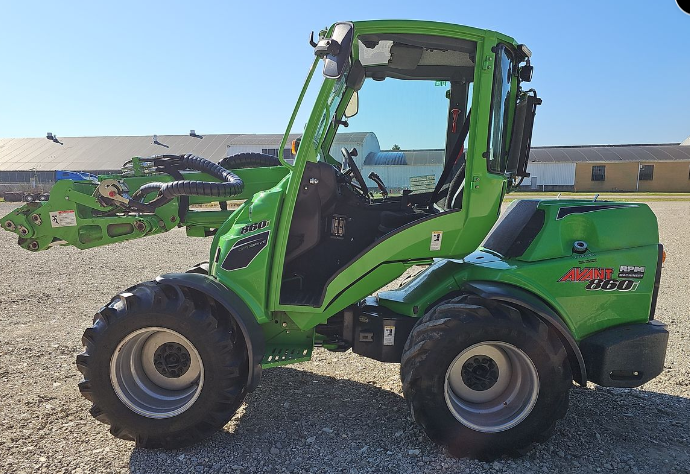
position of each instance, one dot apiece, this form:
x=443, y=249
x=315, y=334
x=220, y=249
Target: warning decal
x=63, y=219
x=388, y=335
x=436, y=237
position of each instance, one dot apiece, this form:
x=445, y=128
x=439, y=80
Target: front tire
x=163, y=366
x=484, y=378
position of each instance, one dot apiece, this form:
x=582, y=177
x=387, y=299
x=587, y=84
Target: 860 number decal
x=611, y=285
x=253, y=226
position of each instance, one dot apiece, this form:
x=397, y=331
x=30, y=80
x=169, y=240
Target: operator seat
x=391, y=220
x=316, y=198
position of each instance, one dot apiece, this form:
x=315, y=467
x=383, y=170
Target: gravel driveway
x=336, y=413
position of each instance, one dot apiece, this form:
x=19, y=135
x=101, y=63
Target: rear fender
x=253, y=335
x=517, y=296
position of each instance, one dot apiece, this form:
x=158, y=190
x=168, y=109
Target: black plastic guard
x=626, y=356
x=253, y=336
x=517, y=296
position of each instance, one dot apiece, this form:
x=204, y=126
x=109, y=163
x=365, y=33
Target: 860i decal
x=602, y=278
x=612, y=285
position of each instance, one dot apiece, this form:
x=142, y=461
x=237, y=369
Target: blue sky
x=608, y=71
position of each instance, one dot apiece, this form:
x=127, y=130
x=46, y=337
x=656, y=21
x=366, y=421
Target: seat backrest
x=318, y=192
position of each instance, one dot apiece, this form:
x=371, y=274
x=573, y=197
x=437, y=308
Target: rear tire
x=163, y=366
x=484, y=378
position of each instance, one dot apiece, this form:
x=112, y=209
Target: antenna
x=53, y=138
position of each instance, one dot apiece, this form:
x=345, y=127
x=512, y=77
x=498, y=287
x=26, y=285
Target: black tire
x=215, y=338
x=29, y=198
x=456, y=326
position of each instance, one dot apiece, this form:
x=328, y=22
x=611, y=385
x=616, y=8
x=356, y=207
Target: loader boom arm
x=77, y=213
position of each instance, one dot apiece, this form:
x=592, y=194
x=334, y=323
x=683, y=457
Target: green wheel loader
x=417, y=132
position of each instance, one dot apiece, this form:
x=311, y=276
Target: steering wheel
x=349, y=167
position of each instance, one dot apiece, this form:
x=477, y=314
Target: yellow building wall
x=669, y=177
x=619, y=177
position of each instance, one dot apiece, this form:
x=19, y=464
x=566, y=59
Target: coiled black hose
x=230, y=185
x=248, y=160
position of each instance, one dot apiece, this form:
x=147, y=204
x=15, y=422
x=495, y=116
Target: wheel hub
x=491, y=386
x=480, y=373
x=157, y=372
x=171, y=360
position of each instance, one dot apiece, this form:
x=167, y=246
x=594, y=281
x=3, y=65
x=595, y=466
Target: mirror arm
x=325, y=46
x=340, y=122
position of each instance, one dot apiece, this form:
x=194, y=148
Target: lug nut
x=36, y=218
x=9, y=225
x=23, y=230
x=33, y=245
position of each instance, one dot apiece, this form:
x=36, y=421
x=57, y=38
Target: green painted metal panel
x=611, y=284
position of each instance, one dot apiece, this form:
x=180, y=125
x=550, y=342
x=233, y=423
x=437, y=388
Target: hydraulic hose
x=249, y=160
x=230, y=185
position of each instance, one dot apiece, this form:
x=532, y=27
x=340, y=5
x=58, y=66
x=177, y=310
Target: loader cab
x=409, y=129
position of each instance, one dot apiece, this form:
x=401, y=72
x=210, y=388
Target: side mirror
x=335, y=50
x=352, y=106
x=521, y=139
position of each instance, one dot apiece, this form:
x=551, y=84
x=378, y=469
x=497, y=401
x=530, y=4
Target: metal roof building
x=34, y=160
x=406, y=157
x=109, y=153
x=609, y=153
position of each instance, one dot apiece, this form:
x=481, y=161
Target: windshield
x=300, y=115
x=412, y=106
x=404, y=139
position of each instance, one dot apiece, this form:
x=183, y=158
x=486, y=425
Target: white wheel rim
x=491, y=386
x=143, y=387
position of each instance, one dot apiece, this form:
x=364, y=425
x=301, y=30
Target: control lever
x=455, y=113
x=404, y=200
x=379, y=182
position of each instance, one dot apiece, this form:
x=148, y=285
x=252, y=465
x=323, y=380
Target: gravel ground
x=336, y=413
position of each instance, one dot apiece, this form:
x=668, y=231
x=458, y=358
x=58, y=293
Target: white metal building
x=549, y=176
x=394, y=167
